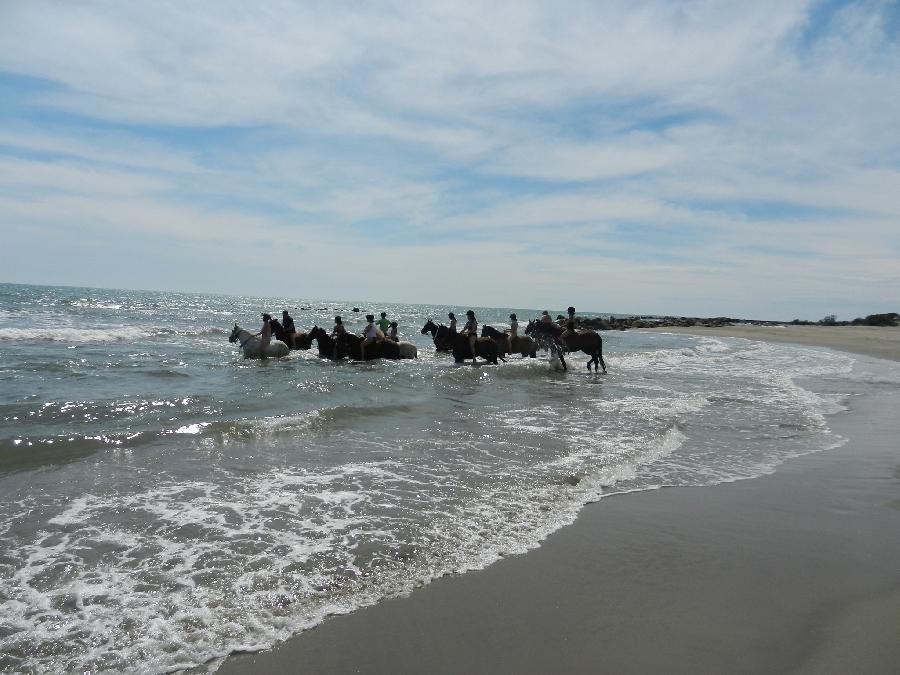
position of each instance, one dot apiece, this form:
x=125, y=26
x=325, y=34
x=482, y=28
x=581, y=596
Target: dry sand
x=796, y=572
x=880, y=342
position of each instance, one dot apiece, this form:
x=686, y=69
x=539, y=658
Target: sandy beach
x=794, y=572
x=877, y=341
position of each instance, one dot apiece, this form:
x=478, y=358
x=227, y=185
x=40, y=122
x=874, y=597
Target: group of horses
x=493, y=345
x=346, y=345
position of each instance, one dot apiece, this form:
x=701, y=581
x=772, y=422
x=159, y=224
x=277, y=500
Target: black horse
x=547, y=335
x=446, y=340
x=440, y=334
x=521, y=344
x=329, y=348
x=348, y=345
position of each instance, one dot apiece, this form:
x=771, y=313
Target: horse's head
x=531, y=327
x=235, y=333
x=429, y=327
x=491, y=332
x=315, y=333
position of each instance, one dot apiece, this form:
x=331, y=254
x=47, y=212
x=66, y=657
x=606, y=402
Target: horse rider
x=452, y=318
x=392, y=333
x=471, y=331
x=287, y=323
x=545, y=318
x=383, y=323
x=513, y=330
x=370, y=335
x=338, y=333
x=570, y=326
x=265, y=335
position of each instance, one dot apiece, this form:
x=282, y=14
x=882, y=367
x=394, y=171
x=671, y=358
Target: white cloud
x=646, y=146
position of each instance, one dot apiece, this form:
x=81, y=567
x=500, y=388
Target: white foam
x=76, y=335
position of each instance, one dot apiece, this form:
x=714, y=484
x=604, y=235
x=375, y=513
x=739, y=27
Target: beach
x=792, y=572
x=878, y=341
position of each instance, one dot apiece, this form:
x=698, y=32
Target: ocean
x=165, y=503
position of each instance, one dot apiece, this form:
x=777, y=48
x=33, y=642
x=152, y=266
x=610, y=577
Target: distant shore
x=879, y=341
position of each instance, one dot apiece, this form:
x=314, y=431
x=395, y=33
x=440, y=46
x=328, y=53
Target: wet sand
x=795, y=572
x=877, y=341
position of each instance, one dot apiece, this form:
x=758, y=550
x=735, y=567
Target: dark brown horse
x=548, y=335
x=521, y=344
x=329, y=348
x=349, y=345
x=440, y=335
x=293, y=340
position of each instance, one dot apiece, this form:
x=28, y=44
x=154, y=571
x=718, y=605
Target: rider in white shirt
x=471, y=331
x=513, y=330
x=370, y=334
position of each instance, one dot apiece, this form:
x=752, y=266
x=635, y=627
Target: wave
x=73, y=335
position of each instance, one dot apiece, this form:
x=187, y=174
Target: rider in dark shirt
x=570, y=326
x=287, y=322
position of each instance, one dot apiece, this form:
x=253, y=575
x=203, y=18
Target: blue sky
x=691, y=158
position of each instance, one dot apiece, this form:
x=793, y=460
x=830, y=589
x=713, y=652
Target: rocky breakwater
x=624, y=323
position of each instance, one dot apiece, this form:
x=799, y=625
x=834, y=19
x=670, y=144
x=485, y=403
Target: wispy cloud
x=692, y=157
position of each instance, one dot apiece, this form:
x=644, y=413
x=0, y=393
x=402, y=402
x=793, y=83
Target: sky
x=693, y=158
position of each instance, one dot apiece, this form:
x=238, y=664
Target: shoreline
x=789, y=572
x=876, y=341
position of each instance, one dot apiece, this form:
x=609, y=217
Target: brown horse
x=521, y=344
x=348, y=345
x=440, y=335
x=296, y=340
x=548, y=336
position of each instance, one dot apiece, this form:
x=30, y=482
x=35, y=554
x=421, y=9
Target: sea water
x=164, y=502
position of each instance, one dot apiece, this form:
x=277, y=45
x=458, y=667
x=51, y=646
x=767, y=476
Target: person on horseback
x=471, y=331
x=370, y=335
x=265, y=335
x=339, y=332
x=287, y=322
x=513, y=330
x=570, y=326
x=452, y=318
x=392, y=333
x=545, y=318
x=383, y=323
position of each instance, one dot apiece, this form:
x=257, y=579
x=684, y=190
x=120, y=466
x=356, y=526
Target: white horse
x=408, y=350
x=250, y=344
